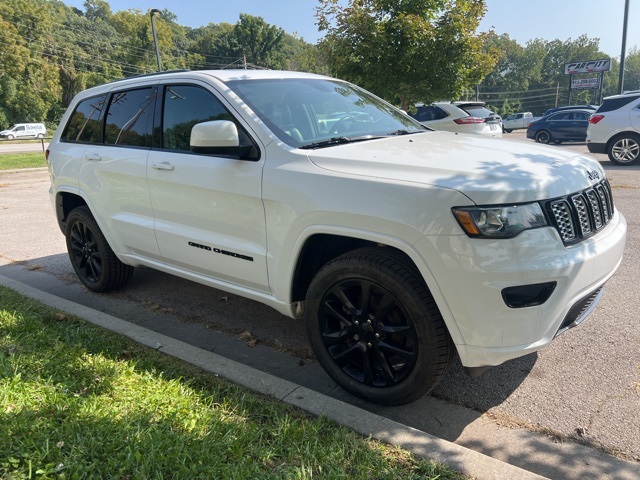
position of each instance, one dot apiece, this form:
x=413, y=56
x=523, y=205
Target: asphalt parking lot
x=584, y=387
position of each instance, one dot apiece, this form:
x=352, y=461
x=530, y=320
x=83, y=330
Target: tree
x=29, y=87
x=406, y=50
x=532, y=78
x=254, y=39
x=631, y=72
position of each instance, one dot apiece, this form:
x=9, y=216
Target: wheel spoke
x=367, y=370
x=334, y=338
x=395, y=329
x=342, y=354
x=386, y=368
x=94, y=266
x=328, y=309
x=407, y=354
x=340, y=295
x=367, y=297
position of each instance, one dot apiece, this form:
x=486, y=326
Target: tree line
x=403, y=50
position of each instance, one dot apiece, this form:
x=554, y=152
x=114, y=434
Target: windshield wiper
x=338, y=141
x=405, y=132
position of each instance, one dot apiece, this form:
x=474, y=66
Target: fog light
x=528, y=295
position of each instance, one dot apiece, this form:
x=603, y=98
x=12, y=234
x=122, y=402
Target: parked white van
x=24, y=130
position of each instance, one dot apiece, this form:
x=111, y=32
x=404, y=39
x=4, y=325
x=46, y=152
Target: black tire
x=91, y=256
x=624, y=149
x=543, y=136
x=508, y=130
x=375, y=328
x=557, y=142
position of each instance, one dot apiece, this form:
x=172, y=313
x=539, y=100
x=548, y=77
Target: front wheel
x=543, y=136
x=91, y=256
x=40, y=136
x=508, y=130
x=625, y=149
x=10, y=137
x=375, y=328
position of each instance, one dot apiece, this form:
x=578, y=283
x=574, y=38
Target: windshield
x=310, y=112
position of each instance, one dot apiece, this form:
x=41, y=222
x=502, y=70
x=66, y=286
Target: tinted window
x=581, y=116
x=185, y=106
x=477, y=111
x=130, y=118
x=85, y=124
x=560, y=116
x=616, y=103
x=429, y=112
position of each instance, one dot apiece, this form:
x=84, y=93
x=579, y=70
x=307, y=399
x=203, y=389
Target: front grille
x=580, y=215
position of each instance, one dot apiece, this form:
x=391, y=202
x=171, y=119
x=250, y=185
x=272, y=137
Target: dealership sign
x=587, y=67
x=585, y=83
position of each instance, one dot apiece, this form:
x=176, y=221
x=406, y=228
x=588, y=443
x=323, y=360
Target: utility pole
x=152, y=13
x=624, y=47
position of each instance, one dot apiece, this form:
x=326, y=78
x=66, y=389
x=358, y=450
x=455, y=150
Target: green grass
x=77, y=401
x=11, y=161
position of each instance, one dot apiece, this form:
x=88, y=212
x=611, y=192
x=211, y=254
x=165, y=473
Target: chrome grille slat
x=581, y=214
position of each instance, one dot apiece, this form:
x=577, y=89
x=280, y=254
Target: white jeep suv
x=614, y=129
x=400, y=246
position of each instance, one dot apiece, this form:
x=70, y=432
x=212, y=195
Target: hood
x=487, y=170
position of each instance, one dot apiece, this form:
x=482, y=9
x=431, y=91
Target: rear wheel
x=624, y=149
x=375, y=328
x=91, y=256
x=40, y=135
x=508, y=130
x=543, y=136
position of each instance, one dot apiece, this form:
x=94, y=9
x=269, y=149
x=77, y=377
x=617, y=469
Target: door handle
x=163, y=166
x=94, y=157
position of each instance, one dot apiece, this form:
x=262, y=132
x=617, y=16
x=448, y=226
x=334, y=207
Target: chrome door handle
x=94, y=157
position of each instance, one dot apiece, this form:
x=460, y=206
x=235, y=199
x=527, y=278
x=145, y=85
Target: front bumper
x=472, y=273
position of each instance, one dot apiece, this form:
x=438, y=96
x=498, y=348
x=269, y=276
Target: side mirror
x=218, y=137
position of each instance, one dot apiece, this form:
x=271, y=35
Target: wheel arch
x=318, y=248
x=65, y=202
x=619, y=135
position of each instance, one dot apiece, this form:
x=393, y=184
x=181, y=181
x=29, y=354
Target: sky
x=522, y=20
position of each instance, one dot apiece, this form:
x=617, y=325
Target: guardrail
x=31, y=140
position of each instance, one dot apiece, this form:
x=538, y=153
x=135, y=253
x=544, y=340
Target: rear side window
x=130, y=118
x=616, y=103
x=85, y=124
x=429, y=112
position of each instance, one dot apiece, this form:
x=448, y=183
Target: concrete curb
x=464, y=460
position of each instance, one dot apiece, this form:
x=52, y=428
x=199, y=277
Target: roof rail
x=142, y=75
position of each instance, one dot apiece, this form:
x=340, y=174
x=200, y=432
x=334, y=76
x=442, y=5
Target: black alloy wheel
x=543, y=136
x=375, y=328
x=94, y=262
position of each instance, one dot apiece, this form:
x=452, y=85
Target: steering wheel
x=337, y=126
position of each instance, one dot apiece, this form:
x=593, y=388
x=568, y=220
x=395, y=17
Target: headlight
x=500, y=221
